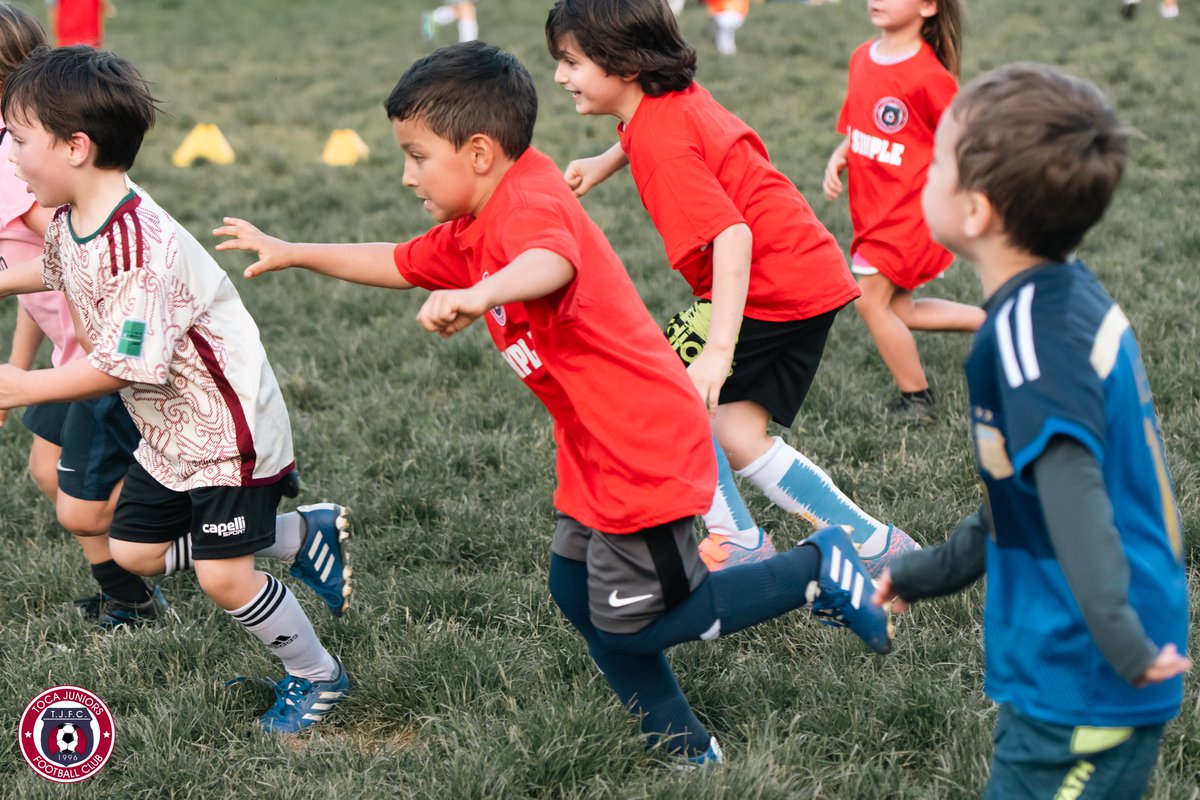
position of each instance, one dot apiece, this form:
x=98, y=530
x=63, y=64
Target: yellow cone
x=344, y=148
x=205, y=141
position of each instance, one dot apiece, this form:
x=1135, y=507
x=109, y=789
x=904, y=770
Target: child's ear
x=980, y=216
x=483, y=151
x=80, y=149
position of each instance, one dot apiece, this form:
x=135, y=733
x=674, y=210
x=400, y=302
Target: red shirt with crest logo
x=890, y=114
x=634, y=440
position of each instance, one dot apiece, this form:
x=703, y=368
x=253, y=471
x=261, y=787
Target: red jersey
x=699, y=169
x=634, y=440
x=79, y=22
x=890, y=114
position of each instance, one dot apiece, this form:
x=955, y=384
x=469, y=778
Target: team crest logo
x=66, y=734
x=497, y=311
x=891, y=115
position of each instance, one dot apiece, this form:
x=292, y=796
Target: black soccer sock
x=119, y=583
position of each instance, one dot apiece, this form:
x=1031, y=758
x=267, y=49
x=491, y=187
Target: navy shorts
x=633, y=578
x=97, y=438
x=1035, y=760
x=225, y=521
x=774, y=363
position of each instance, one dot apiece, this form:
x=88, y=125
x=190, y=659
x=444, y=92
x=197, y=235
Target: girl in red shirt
x=899, y=85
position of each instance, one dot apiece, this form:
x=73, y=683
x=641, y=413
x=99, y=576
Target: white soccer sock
x=275, y=617
x=178, y=556
x=468, y=30
x=799, y=486
x=289, y=535
x=729, y=515
x=444, y=15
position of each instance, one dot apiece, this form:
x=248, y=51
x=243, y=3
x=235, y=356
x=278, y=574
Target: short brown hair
x=626, y=37
x=1045, y=148
x=20, y=34
x=81, y=89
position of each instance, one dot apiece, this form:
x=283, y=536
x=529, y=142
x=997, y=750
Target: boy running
x=1080, y=535
x=635, y=461
x=166, y=329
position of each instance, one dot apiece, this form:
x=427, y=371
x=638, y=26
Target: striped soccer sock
x=275, y=617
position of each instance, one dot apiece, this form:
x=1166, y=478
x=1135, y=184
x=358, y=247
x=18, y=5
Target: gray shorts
x=633, y=578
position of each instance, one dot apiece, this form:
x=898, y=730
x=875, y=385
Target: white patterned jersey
x=161, y=313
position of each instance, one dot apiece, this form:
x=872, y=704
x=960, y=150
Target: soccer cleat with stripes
x=898, y=543
x=322, y=563
x=718, y=551
x=841, y=595
x=301, y=703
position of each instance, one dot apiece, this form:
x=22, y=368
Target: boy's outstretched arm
x=78, y=380
x=1079, y=518
x=936, y=571
x=368, y=264
x=584, y=173
x=23, y=278
x=531, y=275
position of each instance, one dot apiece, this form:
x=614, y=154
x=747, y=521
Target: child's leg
x=733, y=537
x=1038, y=759
x=892, y=336
x=268, y=609
x=936, y=314
x=644, y=683
x=788, y=479
x=468, y=24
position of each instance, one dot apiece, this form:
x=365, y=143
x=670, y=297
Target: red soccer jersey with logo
x=79, y=22
x=699, y=169
x=890, y=114
x=634, y=440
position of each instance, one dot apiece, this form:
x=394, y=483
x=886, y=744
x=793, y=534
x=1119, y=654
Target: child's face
x=596, y=92
x=441, y=175
x=943, y=202
x=42, y=160
x=893, y=15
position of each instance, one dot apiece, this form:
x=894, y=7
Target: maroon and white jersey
x=161, y=313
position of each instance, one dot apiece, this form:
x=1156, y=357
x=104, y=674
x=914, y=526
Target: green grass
x=467, y=681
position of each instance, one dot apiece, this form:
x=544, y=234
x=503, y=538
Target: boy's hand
x=584, y=173
x=884, y=594
x=272, y=252
x=833, y=172
x=708, y=373
x=448, y=311
x=1165, y=666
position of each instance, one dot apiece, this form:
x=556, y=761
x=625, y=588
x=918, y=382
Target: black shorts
x=774, y=363
x=225, y=521
x=97, y=438
x=633, y=578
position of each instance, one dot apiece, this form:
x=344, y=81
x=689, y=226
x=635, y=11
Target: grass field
x=467, y=681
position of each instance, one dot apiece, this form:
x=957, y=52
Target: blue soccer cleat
x=841, y=595
x=321, y=563
x=111, y=613
x=301, y=703
x=709, y=758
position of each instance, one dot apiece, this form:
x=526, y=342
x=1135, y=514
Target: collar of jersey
x=85, y=239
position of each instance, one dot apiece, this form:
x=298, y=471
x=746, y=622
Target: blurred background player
x=1168, y=9
x=462, y=12
x=79, y=21
x=726, y=17
x=80, y=451
x=1086, y=615
x=769, y=278
x=899, y=85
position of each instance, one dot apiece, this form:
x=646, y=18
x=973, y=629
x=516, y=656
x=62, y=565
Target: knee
x=83, y=521
x=140, y=559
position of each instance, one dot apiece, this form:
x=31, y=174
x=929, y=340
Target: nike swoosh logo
x=618, y=602
x=61, y=468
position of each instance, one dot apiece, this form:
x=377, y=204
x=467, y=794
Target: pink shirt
x=19, y=244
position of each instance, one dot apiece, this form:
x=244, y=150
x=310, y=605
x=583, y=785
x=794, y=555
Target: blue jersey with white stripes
x=1056, y=357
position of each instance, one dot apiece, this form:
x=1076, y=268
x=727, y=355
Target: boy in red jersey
x=770, y=279
x=635, y=460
